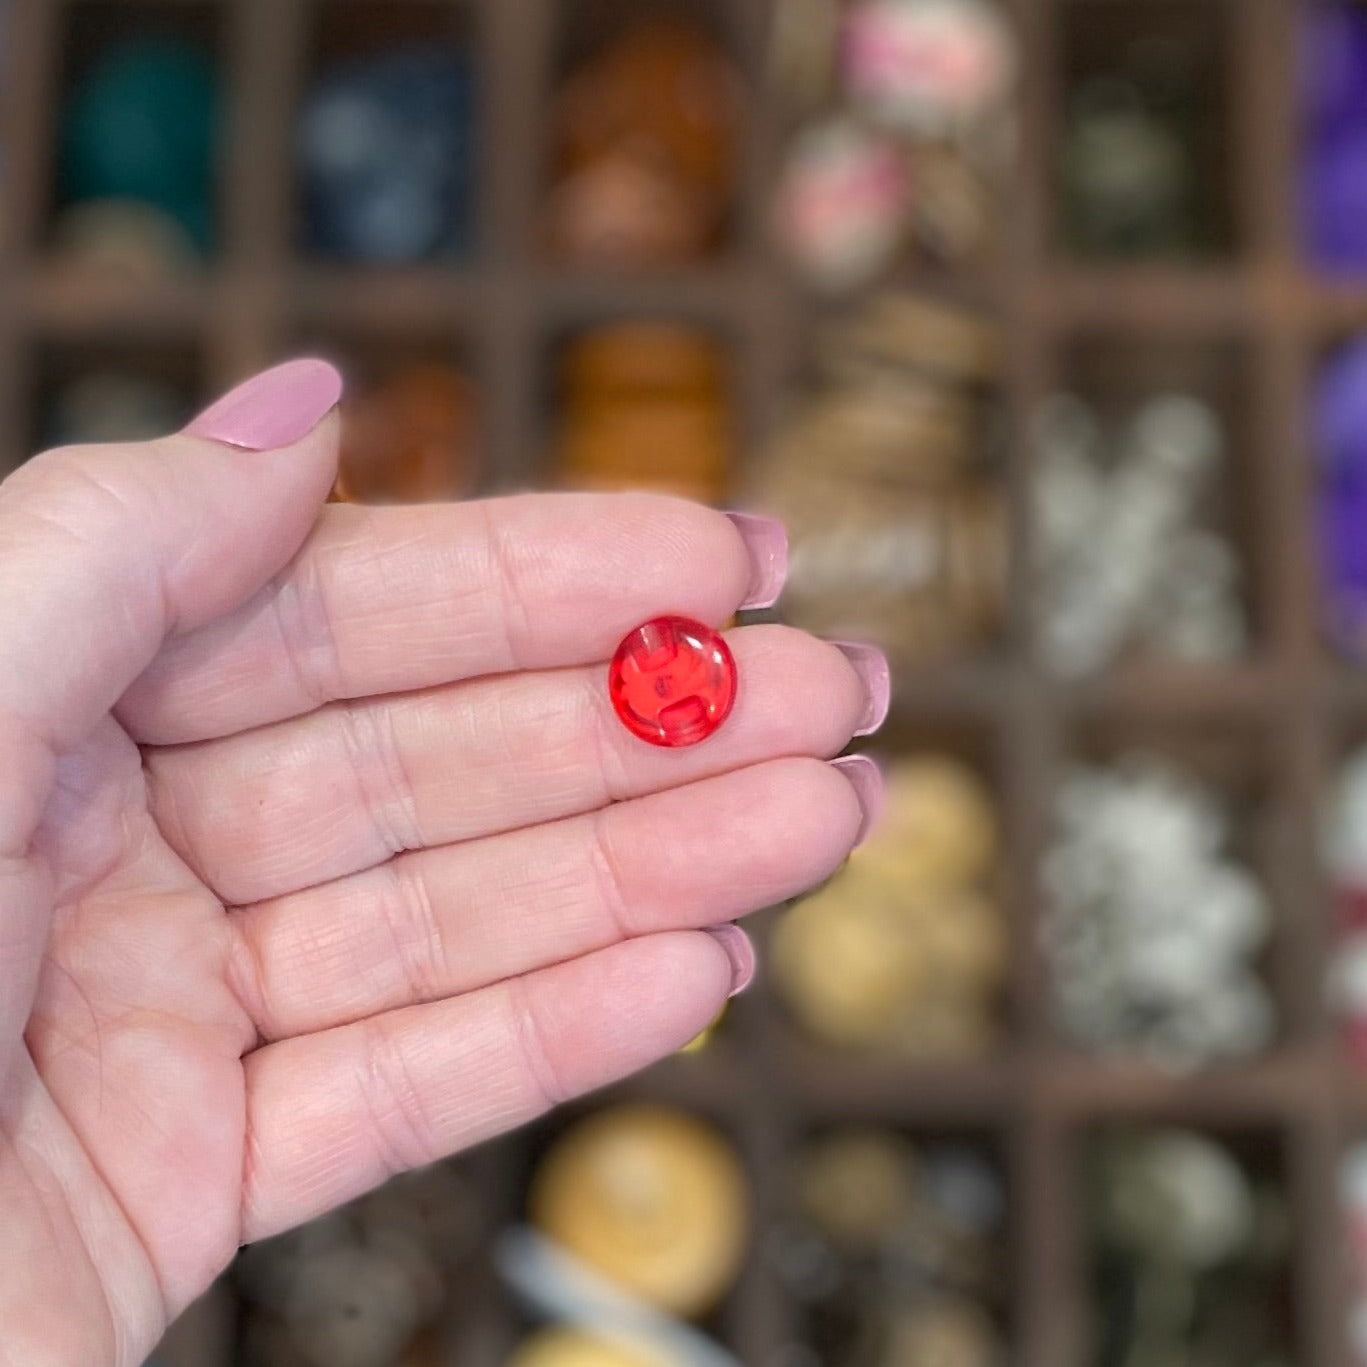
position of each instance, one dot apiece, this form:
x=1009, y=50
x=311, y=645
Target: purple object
x=1333, y=75
x=1340, y=424
x=1333, y=172
x=1342, y=536
x=1334, y=198
x=1340, y=409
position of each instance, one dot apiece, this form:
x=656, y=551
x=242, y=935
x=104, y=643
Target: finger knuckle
x=536, y=1054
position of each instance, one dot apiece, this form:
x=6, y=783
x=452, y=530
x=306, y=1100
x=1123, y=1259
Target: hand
x=321, y=853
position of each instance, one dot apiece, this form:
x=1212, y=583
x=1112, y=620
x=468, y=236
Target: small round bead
x=672, y=681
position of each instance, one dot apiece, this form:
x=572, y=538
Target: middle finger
x=343, y=789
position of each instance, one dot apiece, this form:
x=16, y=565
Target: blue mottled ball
x=386, y=157
x=143, y=124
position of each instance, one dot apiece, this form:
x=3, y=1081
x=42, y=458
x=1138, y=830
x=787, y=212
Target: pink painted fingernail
x=867, y=781
x=740, y=951
x=872, y=667
x=766, y=543
x=273, y=409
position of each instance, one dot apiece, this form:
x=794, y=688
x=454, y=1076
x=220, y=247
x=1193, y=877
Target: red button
x=672, y=681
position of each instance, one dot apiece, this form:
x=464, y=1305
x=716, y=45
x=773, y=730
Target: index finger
x=386, y=600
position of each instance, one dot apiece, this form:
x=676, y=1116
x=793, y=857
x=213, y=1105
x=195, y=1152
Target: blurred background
x=1043, y=324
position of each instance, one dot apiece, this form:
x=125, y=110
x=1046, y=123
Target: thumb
x=107, y=550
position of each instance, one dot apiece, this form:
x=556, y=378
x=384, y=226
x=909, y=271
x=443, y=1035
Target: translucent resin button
x=672, y=681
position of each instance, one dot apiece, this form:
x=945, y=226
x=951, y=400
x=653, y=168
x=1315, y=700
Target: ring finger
x=436, y=923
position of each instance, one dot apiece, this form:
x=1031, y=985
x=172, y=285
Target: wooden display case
x=1253, y=318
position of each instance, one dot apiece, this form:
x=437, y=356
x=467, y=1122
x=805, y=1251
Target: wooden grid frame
x=1290, y=703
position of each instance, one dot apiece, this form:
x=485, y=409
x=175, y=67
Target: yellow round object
x=845, y=962
x=965, y=940
x=858, y=1186
x=871, y=960
x=944, y=1028
x=706, y=1036
x=651, y=1198
x=938, y=827
x=947, y=1333
x=574, y=1348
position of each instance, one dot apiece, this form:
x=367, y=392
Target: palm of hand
x=359, y=870
x=127, y=1116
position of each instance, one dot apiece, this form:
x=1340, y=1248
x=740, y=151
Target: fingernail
x=766, y=541
x=867, y=783
x=740, y=951
x=273, y=409
x=872, y=667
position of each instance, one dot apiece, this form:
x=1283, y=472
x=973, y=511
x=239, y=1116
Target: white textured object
x=1152, y=931
x=1345, y=837
x=1120, y=558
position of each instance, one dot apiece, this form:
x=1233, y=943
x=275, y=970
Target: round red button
x=672, y=681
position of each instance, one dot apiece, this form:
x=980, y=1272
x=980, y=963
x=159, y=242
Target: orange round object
x=646, y=139
x=623, y=209
x=642, y=355
x=653, y=442
x=645, y=407
x=410, y=439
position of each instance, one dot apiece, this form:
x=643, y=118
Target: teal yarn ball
x=143, y=124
